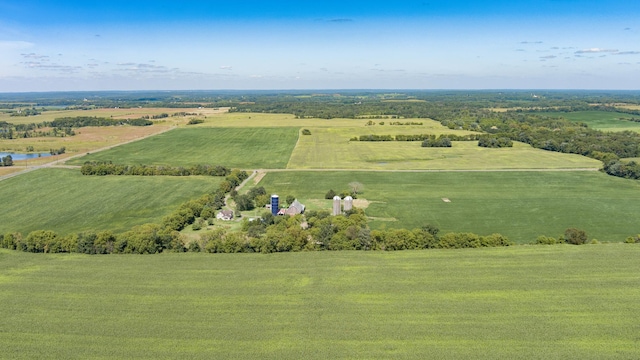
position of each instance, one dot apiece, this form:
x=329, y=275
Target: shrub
x=306, y=132
x=575, y=236
x=330, y=194
x=633, y=239
x=546, y=240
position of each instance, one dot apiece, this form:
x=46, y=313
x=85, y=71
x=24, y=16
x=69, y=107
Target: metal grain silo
x=336, y=206
x=275, y=204
x=348, y=203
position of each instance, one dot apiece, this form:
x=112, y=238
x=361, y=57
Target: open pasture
x=331, y=149
x=520, y=205
x=65, y=201
x=234, y=147
x=600, y=120
x=556, y=302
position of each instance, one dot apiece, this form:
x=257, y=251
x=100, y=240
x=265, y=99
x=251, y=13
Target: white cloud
x=596, y=51
x=226, y=67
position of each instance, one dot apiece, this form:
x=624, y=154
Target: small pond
x=19, y=156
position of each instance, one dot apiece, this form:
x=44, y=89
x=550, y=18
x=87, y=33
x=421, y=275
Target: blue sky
x=403, y=44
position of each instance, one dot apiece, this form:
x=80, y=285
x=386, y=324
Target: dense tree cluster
x=439, y=142
x=320, y=231
x=26, y=112
x=59, y=151
x=416, y=137
x=6, y=160
x=571, y=236
x=108, y=168
x=82, y=121
x=494, y=142
x=61, y=127
x=625, y=169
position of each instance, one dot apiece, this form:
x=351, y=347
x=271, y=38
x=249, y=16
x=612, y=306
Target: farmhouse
x=225, y=215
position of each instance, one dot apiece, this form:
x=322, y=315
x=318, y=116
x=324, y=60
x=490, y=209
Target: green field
x=234, y=147
x=556, y=302
x=328, y=146
x=328, y=150
x=600, y=120
x=520, y=205
x=65, y=201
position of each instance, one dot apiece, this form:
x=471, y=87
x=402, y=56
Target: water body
x=18, y=156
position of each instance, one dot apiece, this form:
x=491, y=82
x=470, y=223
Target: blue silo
x=275, y=204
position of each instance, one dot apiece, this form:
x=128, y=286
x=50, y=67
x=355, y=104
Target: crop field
x=65, y=201
x=234, y=147
x=600, y=120
x=520, y=205
x=555, y=302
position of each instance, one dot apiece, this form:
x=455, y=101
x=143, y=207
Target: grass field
x=600, y=120
x=520, y=205
x=557, y=302
x=234, y=147
x=328, y=146
x=331, y=149
x=65, y=201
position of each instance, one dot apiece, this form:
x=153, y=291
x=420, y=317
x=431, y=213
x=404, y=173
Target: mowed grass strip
x=520, y=205
x=233, y=147
x=65, y=201
x=555, y=302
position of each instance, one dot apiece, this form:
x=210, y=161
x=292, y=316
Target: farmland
x=241, y=140
x=546, y=302
x=237, y=147
x=525, y=302
x=521, y=205
x=65, y=201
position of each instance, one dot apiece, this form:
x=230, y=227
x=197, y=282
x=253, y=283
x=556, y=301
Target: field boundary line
x=294, y=148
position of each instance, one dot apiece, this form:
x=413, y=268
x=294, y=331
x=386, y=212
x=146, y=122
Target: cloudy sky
x=347, y=44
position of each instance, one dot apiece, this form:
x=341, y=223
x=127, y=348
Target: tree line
x=267, y=234
x=416, y=137
x=82, y=121
x=103, y=168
